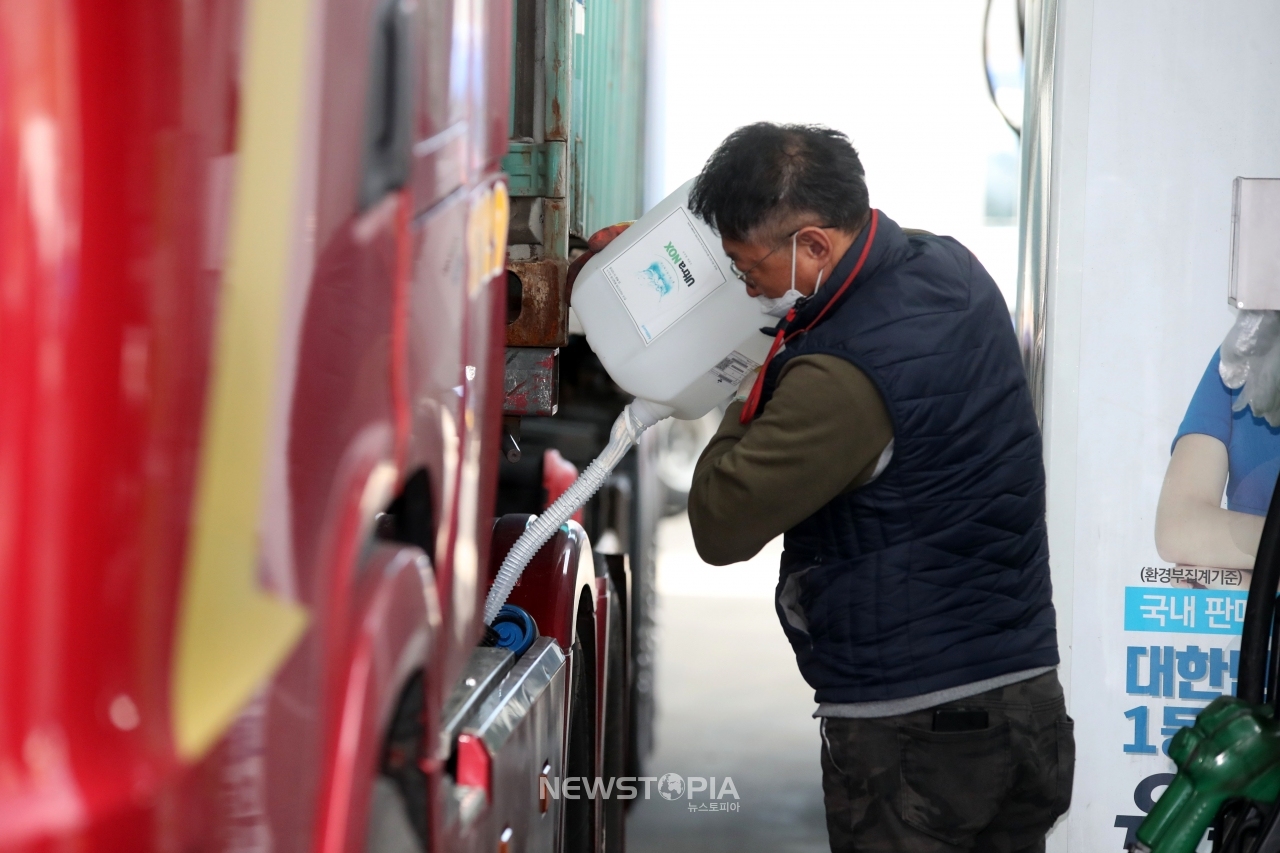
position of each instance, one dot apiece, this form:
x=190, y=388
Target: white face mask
x=779, y=306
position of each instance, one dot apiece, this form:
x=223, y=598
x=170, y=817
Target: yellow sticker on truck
x=231, y=635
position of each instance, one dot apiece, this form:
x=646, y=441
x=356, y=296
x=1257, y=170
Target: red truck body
x=250, y=412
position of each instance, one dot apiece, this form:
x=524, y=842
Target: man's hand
x=595, y=243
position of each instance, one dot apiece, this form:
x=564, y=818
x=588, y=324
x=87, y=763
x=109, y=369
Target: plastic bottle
x=665, y=314
x=672, y=325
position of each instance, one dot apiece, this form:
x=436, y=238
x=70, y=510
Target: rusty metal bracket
x=537, y=168
x=543, y=320
x=532, y=382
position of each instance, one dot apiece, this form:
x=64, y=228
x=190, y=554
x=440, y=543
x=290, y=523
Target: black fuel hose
x=1273, y=666
x=1260, y=610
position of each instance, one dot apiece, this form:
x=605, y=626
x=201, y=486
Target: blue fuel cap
x=515, y=628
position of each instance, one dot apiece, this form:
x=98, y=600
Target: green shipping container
x=583, y=60
x=608, y=116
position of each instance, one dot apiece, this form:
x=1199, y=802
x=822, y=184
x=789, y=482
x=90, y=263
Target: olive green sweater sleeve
x=821, y=434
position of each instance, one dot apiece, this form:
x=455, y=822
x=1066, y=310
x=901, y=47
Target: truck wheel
x=398, y=803
x=579, y=814
x=646, y=511
x=389, y=828
x=616, y=739
x=679, y=446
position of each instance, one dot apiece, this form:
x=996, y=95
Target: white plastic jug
x=662, y=309
x=673, y=326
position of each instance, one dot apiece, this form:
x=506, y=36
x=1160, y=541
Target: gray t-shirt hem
x=894, y=707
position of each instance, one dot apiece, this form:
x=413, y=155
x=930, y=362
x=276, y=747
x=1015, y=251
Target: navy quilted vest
x=936, y=573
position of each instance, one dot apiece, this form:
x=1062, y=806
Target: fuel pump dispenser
x=1229, y=761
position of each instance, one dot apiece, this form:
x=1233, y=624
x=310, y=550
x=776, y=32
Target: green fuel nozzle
x=1232, y=752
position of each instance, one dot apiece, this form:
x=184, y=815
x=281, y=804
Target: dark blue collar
x=887, y=247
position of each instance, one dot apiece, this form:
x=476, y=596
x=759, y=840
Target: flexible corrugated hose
x=638, y=416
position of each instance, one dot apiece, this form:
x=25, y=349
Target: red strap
x=748, y=412
x=753, y=399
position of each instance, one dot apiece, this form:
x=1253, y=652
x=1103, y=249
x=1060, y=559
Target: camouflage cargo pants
x=897, y=785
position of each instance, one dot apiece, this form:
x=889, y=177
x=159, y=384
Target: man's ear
x=815, y=243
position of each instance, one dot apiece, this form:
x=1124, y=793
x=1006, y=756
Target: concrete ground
x=730, y=704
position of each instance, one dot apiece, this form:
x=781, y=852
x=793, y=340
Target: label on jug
x=665, y=274
x=733, y=369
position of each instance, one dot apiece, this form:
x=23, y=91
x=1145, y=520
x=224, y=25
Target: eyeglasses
x=742, y=274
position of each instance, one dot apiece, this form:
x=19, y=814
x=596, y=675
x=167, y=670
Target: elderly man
x=892, y=439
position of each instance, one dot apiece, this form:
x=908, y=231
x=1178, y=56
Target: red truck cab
x=252, y=310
